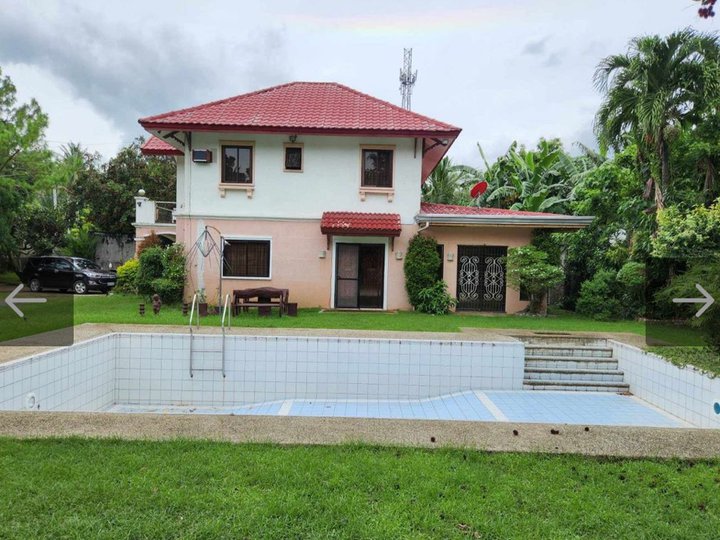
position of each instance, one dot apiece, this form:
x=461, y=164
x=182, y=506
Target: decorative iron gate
x=481, y=278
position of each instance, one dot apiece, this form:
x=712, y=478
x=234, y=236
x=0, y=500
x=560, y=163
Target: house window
x=293, y=158
x=237, y=164
x=377, y=168
x=246, y=258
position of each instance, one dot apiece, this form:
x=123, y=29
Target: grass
x=76, y=488
x=9, y=278
x=124, y=309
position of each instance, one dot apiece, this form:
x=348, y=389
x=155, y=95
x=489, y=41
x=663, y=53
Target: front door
x=359, y=275
x=481, y=278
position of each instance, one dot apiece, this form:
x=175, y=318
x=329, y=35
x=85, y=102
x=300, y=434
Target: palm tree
x=445, y=184
x=654, y=89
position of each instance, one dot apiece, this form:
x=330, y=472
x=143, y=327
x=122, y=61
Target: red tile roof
x=303, y=107
x=157, y=147
x=359, y=224
x=456, y=210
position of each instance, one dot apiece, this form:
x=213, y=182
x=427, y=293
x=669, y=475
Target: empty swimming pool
x=305, y=376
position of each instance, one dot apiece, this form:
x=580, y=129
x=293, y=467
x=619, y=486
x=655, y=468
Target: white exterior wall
x=682, y=391
x=330, y=180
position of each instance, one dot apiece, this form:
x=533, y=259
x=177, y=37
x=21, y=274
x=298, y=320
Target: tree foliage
x=446, y=184
x=659, y=86
x=108, y=191
x=421, y=266
x=24, y=161
x=528, y=268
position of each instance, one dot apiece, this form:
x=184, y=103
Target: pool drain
x=30, y=401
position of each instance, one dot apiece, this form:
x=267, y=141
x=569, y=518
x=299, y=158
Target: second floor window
x=293, y=158
x=237, y=164
x=377, y=168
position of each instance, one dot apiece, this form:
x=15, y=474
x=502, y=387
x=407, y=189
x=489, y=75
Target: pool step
x=570, y=362
x=573, y=374
x=557, y=350
x=577, y=386
x=567, y=363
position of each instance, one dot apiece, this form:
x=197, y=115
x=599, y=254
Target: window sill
x=390, y=192
x=248, y=278
x=248, y=188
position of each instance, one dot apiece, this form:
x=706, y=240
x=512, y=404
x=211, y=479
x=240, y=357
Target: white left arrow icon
x=10, y=300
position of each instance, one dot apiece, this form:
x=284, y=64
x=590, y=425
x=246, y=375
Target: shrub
x=421, y=266
x=631, y=281
x=170, y=291
x=599, y=296
x=174, y=263
x=162, y=271
x=435, y=299
x=80, y=242
x=527, y=267
x=150, y=241
x=127, y=277
x=150, y=269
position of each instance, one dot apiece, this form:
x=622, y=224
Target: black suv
x=66, y=273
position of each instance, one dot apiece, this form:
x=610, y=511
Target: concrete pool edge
x=615, y=441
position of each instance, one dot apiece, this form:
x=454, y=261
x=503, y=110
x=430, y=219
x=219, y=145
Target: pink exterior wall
x=451, y=237
x=296, y=263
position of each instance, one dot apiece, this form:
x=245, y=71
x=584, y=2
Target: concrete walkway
x=485, y=436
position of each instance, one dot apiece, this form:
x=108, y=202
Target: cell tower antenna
x=407, y=79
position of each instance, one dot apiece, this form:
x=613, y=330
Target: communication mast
x=407, y=79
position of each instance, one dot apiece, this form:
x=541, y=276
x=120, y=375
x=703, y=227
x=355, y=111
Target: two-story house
x=316, y=187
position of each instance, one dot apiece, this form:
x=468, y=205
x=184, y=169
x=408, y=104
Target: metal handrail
x=222, y=327
x=192, y=311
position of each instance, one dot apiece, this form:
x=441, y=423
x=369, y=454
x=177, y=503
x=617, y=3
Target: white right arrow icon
x=707, y=299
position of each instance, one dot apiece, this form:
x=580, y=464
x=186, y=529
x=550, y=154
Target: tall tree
x=106, y=192
x=654, y=89
x=24, y=160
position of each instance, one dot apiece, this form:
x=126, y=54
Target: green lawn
x=124, y=309
x=74, y=488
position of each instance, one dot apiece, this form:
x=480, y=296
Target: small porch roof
x=360, y=224
x=454, y=215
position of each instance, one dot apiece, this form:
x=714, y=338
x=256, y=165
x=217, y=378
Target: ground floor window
x=246, y=258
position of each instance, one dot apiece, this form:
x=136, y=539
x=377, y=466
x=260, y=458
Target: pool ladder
x=221, y=350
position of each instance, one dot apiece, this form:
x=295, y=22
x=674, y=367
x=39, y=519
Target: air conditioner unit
x=202, y=156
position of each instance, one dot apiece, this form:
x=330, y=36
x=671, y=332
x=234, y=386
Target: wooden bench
x=261, y=297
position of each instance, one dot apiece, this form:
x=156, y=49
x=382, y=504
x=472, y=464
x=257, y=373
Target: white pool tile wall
x=153, y=369
x=77, y=378
x=683, y=392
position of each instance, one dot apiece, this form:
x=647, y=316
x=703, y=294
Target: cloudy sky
x=502, y=70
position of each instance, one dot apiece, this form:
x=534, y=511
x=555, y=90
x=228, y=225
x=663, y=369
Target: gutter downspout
x=424, y=227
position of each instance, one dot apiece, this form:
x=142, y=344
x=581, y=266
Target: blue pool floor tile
x=595, y=408
x=590, y=408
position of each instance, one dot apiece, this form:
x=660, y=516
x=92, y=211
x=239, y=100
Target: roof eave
x=559, y=221
x=148, y=125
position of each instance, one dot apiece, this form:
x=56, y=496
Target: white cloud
x=500, y=70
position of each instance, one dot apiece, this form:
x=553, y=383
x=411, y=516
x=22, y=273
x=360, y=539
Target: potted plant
x=202, y=302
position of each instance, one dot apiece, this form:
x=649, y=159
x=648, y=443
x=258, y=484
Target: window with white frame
x=246, y=258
